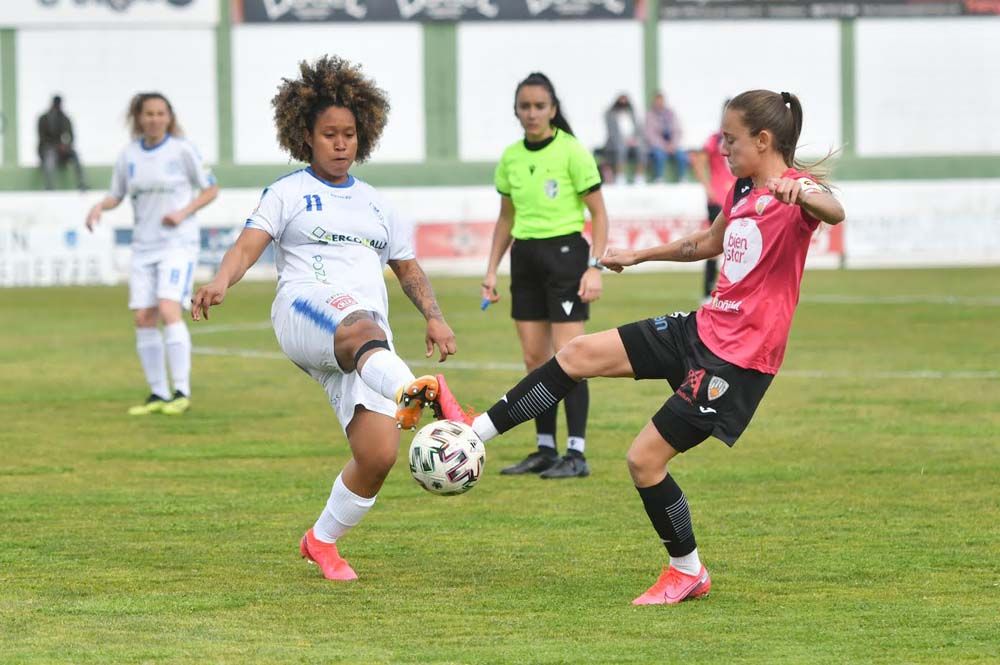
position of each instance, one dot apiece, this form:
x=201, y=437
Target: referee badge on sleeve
x=717, y=387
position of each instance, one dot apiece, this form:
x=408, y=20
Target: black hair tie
x=786, y=98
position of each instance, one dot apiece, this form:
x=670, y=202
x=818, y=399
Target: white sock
x=547, y=441
x=178, y=343
x=385, y=372
x=577, y=443
x=484, y=427
x=149, y=346
x=688, y=564
x=344, y=509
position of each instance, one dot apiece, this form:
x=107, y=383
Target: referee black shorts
x=711, y=396
x=545, y=277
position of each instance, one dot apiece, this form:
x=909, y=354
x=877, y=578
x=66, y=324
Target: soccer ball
x=446, y=457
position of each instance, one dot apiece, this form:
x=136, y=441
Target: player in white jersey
x=333, y=237
x=167, y=182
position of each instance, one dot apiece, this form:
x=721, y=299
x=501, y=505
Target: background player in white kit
x=160, y=172
x=333, y=237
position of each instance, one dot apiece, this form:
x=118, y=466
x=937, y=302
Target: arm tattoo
x=688, y=249
x=418, y=289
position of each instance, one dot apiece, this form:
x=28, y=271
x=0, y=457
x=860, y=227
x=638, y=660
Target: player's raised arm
x=699, y=245
x=244, y=253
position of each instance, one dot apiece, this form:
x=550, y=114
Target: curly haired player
x=333, y=236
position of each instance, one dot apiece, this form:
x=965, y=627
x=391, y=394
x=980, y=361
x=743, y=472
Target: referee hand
x=590, y=285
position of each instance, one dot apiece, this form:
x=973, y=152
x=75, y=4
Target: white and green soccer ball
x=446, y=457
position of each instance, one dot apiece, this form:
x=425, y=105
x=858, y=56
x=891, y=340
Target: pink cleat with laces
x=673, y=586
x=326, y=556
x=446, y=407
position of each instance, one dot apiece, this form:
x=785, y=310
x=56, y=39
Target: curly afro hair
x=330, y=81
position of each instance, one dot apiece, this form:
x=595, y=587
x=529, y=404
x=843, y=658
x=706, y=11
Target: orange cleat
x=446, y=407
x=412, y=398
x=326, y=556
x=673, y=586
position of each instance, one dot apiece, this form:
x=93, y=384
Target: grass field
x=857, y=520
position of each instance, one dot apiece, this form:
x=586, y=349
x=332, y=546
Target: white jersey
x=330, y=235
x=159, y=180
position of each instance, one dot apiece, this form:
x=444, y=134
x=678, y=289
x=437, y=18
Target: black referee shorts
x=711, y=396
x=545, y=277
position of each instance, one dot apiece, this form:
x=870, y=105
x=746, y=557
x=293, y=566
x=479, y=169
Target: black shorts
x=545, y=277
x=711, y=396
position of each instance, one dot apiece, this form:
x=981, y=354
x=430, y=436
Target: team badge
x=341, y=302
x=717, y=387
x=551, y=188
x=762, y=203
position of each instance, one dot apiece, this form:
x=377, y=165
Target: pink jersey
x=764, y=252
x=721, y=178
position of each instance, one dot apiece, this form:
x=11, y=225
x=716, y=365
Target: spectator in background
x=713, y=172
x=663, y=133
x=625, y=144
x=55, y=144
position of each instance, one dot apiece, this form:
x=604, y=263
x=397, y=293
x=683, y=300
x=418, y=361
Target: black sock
x=545, y=423
x=711, y=272
x=668, y=511
x=536, y=393
x=577, y=404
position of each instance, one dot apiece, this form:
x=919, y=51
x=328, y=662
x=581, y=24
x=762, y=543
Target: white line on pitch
x=454, y=364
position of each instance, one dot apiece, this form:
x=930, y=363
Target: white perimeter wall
x=392, y=54
x=589, y=63
x=702, y=63
x=928, y=86
x=98, y=70
x=912, y=223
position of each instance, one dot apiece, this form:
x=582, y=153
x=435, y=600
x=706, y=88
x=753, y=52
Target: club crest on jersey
x=341, y=302
x=761, y=204
x=551, y=188
x=717, y=388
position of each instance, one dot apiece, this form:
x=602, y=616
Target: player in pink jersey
x=713, y=172
x=719, y=362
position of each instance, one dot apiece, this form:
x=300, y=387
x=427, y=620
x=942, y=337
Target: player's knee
x=146, y=318
x=352, y=334
x=533, y=359
x=642, y=466
x=574, y=358
x=378, y=461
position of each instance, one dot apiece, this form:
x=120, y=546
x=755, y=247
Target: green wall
x=440, y=62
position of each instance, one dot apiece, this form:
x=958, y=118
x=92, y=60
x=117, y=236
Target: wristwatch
x=594, y=262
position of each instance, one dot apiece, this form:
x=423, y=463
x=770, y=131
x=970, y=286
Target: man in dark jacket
x=55, y=144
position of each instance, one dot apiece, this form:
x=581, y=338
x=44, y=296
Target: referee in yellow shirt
x=545, y=181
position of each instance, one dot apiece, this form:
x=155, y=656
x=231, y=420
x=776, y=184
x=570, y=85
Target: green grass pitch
x=856, y=521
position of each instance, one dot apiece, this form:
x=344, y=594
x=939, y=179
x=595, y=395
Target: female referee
x=721, y=360
x=160, y=172
x=544, y=181
x=333, y=236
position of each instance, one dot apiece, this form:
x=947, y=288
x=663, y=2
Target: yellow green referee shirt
x=546, y=182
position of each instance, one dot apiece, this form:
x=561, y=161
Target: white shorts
x=304, y=322
x=165, y=274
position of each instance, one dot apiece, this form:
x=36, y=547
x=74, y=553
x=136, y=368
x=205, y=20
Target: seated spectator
x=625, y=144
x=55, y=144
x=663, y=133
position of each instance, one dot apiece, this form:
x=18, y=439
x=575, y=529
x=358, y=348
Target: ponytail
x=780, y=114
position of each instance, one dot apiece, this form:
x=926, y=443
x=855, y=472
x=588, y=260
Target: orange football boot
x=326, y=556
x=673, y=586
